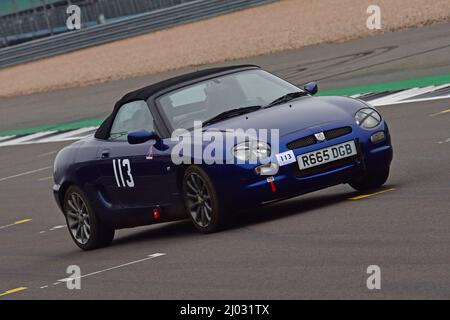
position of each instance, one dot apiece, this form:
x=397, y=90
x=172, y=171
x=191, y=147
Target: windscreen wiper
x=231, y=113
x=287, y=97
x=117, y=135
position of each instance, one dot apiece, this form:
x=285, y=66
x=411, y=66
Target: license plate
x=325, y=155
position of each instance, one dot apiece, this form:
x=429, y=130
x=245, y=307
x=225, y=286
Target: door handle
x=105, y=154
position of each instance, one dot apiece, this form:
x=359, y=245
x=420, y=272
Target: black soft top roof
x=148, y=91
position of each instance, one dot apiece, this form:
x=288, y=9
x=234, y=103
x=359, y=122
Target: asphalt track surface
x=314, y=246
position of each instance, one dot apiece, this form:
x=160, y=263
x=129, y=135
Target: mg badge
x=320, y=136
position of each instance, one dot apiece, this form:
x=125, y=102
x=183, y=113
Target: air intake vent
x=302, y=142
x=310, y=140
x=335, y=133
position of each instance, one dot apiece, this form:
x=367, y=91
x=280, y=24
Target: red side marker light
x=271, y=181
x=156, y=213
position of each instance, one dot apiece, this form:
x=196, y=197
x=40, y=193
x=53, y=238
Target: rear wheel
x=84, y=227
x=201, y=201
x=370, y=180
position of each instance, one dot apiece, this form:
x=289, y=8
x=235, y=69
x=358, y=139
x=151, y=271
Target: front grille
x=310, y=140
x=302, y=142
x=336, y=133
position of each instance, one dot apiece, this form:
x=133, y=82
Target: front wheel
x=84, y=227
x=201, y=201
x=370, y=180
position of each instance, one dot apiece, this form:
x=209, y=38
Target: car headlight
x=251, y=151
x=367, y=118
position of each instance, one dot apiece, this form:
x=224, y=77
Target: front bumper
x=57, y=196
x=241, y=187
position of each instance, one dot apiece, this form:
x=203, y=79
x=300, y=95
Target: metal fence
x=144, y=23
x=50, y=18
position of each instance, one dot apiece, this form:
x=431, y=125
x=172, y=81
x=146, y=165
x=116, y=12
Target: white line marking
x=53, y=229
x=43, y=141
x=6, y=137
x=152, y=256
x=7, y=226
x=410, y=101
x=394, y=97
x=405, y=95
x=43, y=287
x=15, y=223
x=46, y=178
x=69, y=134
x=24, y=173
x=26, y=138
x=47, y=154
x=420, y=91
x=48, y=140
x=57, y=227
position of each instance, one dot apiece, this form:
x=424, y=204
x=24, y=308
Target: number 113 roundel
x=122, y=173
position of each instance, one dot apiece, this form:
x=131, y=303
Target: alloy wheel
x=198, y=200
x=78, y=218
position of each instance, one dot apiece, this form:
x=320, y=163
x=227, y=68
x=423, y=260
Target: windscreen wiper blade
x=231, y=113
x=117, y=135
x=286, y=98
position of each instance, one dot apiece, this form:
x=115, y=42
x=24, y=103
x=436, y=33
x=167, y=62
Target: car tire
x=370, y=180
x=201, y=201
x=84, y=227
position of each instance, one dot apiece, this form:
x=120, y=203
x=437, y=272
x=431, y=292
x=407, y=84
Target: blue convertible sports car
x=129, y=173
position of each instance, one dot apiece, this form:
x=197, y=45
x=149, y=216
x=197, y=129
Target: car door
x=131, y=177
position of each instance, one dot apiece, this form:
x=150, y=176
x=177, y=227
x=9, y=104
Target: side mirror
x=137, y=137
x=311, y=88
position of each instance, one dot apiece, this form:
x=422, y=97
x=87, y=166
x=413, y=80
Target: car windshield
x=205, y=100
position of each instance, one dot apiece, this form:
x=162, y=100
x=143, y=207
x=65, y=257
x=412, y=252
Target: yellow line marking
x=363, y=196
x=17, y=222
x=439, y=113
x=22, y=221
x=13, y=291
